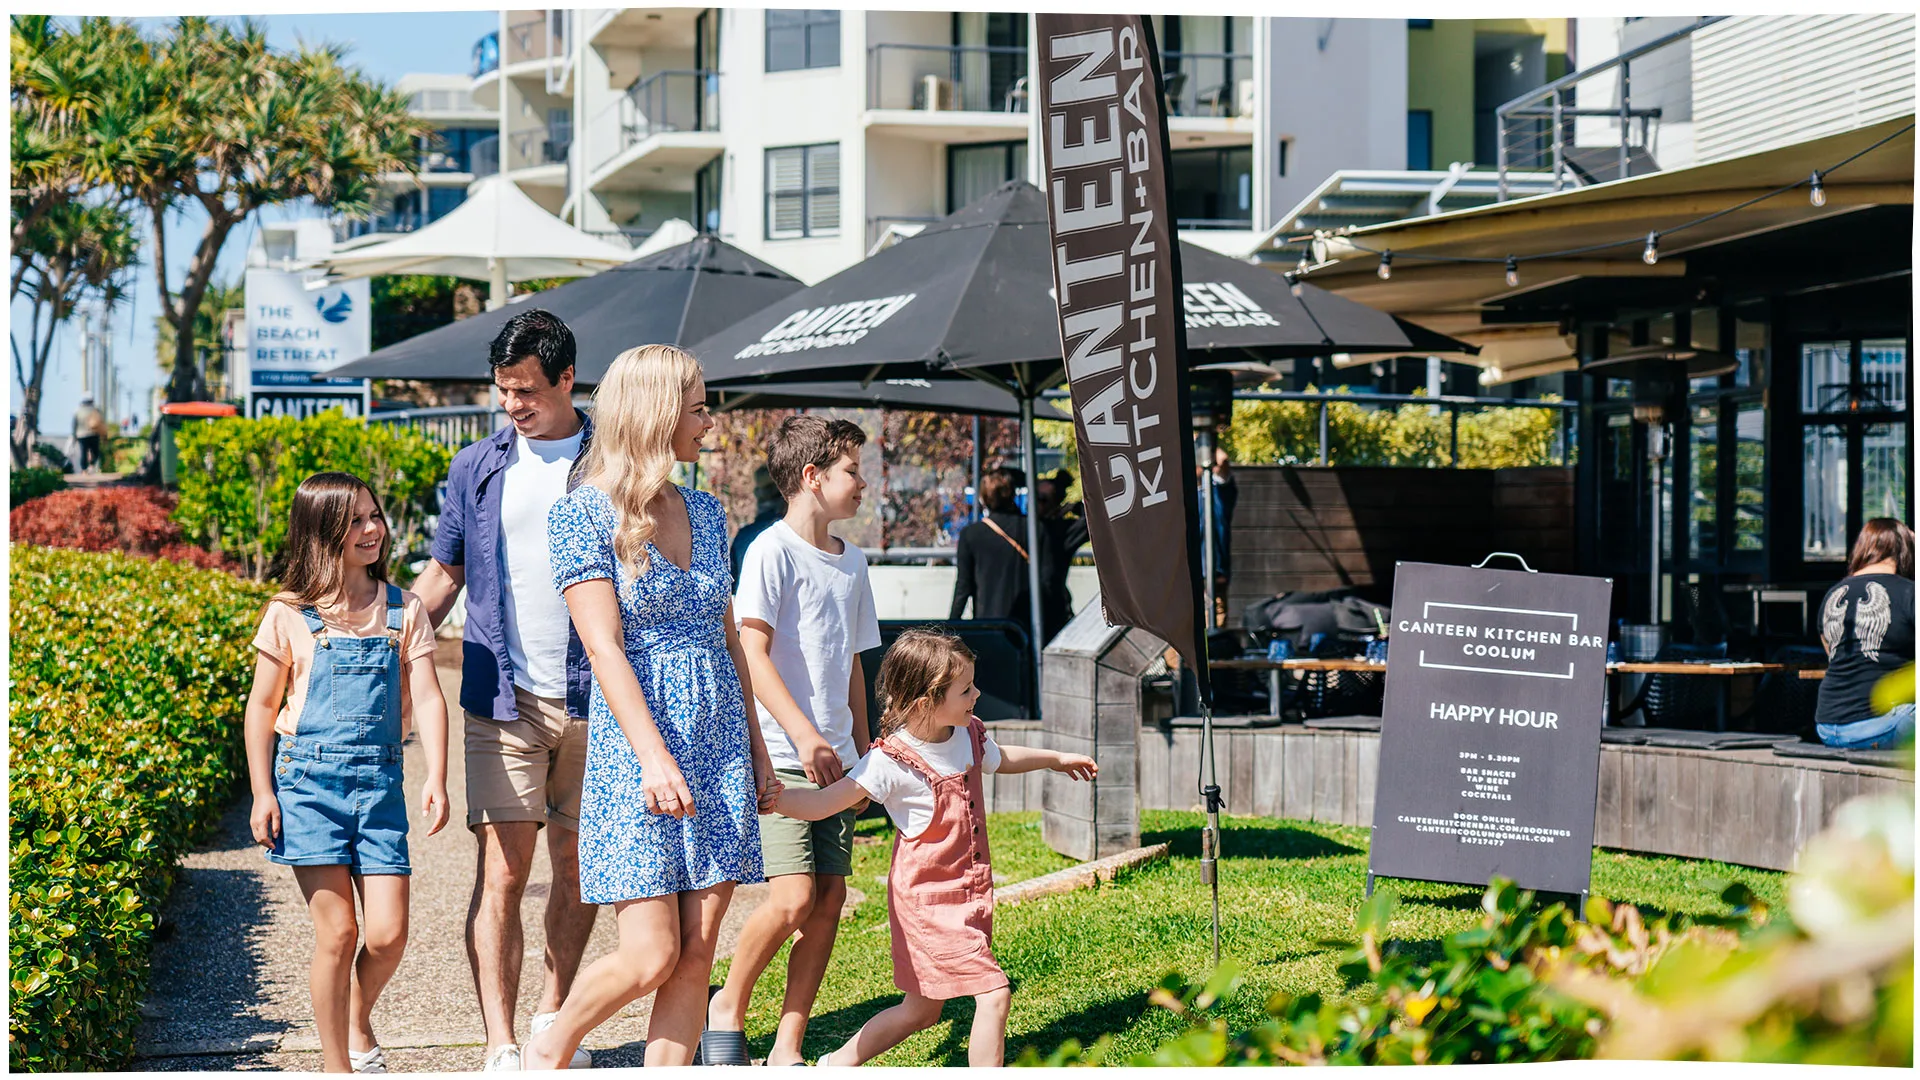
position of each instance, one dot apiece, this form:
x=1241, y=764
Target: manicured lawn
x=1082, y=963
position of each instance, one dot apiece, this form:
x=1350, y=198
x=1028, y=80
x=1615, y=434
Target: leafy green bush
x=1288, y=433
x=129, y=681
x=238, y=477
x=31, y=483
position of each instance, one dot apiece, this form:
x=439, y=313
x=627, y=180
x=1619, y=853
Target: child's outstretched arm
x=818, y=803
x=263, y=703
x=1019, y=759
x=429, y=707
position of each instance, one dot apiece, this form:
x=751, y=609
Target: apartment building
x=460, y=150
x=806, y=136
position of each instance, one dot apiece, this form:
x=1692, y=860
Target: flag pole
x=1029, y=464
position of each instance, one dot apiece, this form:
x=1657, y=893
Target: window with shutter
x=803, y=191
x=823, y=189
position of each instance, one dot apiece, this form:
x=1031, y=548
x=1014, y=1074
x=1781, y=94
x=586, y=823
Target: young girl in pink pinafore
x=925, y=769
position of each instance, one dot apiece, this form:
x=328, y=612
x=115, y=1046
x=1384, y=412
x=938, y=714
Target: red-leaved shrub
x=134, y=520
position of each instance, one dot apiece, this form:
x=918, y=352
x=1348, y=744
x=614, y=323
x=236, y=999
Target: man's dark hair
x=535, y=333
x=808, y=439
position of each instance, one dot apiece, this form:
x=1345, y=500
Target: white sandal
x=370, y=1061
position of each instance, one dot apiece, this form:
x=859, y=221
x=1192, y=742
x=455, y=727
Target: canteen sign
x=825, y=327
x=1222, y=303
x=294, y=333
x=1490, y=734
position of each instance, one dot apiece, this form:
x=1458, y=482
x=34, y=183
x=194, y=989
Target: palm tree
x=251, y=127
x=72, y=252
x=68, y=130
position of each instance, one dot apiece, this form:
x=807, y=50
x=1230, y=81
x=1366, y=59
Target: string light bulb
x=1301, y=266
x=1386, y=266
x=1817, y=194
x=1293, y=284
x=1513, y=272
x=1652, y=254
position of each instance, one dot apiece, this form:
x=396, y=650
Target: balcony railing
x=486, y=54
x=532, y=39
x=1213, y=223
x=539, y=146
x=1539, y=131
x=452, y=426
x=484, y=157
x=934, y=78
x=445, y=100
x=683, y=100
x=1209, y=84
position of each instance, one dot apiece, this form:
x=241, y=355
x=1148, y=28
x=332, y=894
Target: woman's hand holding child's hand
x=767, y=785
x=1077, y=766
x=434, y=806
x=265, y=819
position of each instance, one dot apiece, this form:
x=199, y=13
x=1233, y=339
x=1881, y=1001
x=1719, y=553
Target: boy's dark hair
x=537, y=333
x=996, y=490
x=812, y=440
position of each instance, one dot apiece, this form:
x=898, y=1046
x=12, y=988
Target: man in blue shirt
x=524, y=678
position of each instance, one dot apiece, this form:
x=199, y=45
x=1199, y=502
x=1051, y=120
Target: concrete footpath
x=229, y=986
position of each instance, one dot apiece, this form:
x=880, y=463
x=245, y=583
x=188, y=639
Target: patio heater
x=1659, y=374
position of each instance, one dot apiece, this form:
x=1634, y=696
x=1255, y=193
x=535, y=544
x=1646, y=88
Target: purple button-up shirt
x=469, y=536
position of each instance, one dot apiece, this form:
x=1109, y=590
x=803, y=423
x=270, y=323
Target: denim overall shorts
x=338, y=778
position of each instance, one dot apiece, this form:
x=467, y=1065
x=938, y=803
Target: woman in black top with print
x=1866, y=624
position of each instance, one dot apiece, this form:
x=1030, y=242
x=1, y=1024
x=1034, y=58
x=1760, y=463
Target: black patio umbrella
x=926, y=395
x=972, y=295
x=678, y=295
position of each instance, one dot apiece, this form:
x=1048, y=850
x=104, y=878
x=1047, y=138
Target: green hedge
x=31, y=483
x=237, y=479
x=129, y=682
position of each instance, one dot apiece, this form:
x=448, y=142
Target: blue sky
x=385, y=46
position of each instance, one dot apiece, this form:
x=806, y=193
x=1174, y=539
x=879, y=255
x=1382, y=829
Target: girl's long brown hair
x=312, y=564
x=917, y=672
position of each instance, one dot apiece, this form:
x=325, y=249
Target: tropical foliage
x=128, y=678
x=238, y=477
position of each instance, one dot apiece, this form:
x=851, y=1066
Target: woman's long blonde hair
x=635, y=409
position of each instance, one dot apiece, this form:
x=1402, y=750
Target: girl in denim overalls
x=925, y=769
x=344, y=661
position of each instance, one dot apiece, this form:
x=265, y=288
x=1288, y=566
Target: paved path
x=230, y=968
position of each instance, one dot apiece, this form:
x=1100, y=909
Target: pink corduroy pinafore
x=940, y=889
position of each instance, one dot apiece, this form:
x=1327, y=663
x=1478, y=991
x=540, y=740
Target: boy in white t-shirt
x=806, y=613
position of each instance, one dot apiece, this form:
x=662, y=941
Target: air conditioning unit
x=935, y=94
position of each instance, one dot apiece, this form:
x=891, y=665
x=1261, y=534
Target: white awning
x=497, y=235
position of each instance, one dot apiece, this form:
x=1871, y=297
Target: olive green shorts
x=791, y=846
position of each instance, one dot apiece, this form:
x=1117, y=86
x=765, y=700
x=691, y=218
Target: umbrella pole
x=496, y=284
x=1028, y=463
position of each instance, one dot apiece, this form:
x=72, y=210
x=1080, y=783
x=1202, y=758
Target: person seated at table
x=1866, y=624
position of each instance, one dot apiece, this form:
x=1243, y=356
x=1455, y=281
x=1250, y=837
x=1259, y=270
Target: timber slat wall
x=1307, y=529
x=1748, y=807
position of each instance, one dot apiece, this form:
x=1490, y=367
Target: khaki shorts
x=530, y=769
x=791, y=846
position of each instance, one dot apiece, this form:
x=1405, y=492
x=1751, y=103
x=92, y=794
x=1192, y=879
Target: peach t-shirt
x=284, y=638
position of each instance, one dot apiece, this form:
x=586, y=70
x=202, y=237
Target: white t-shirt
x=536, y=626
x=907, y=797
x=821, y=609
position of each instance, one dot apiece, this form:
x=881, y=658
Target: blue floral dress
x=672, y=620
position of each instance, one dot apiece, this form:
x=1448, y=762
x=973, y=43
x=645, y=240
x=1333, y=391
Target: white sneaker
x=543, y=1021
x=370, y=1061
x=504, y=1059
